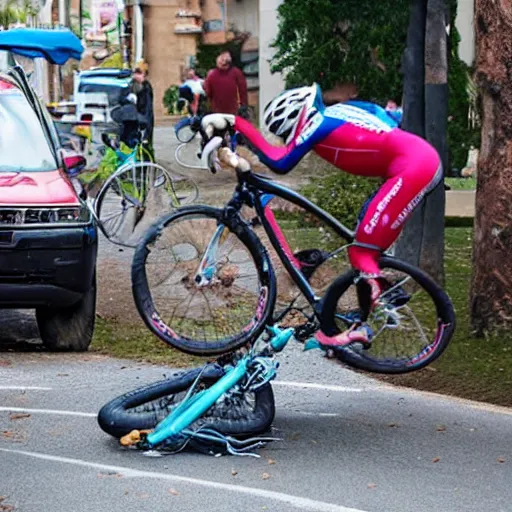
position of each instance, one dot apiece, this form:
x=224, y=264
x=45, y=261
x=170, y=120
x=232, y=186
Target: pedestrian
x=142, y=88
x=226, y=86
x=394, y=111
x=192, y=90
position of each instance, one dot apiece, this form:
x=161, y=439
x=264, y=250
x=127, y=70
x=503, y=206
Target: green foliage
x=170, y=100
x=362, y=42
x=109, y=163
x=341, y=194
x=461, y=135
x=114, y=61
x=353, y=41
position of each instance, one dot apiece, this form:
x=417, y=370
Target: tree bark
x=436, y=128
x=425, y=114
x=408, y=246
x=491, y=287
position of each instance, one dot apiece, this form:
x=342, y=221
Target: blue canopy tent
x=56, y=46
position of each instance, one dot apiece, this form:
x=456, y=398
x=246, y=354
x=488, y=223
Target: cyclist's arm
x=280, y=159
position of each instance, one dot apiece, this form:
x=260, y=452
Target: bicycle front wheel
x=135, y=196
x=411, y=326
x=202, y=283
x=239, y=413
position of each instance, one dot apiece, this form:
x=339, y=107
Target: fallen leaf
x=393, y=425
x=436, y=459
x=4, y=362
x=265, y=476
x=62, y=374
x=6, y=508
x=501, y=460
x=234, y=472
x=295, y=436
x=372, y=486
x=441, y=428
x=19, y=416
x=102, y=474
x=174, y=492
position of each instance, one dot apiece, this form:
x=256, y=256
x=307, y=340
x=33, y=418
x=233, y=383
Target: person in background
x=394, y=111
x=226, y=87
x=144, y=91
x=192, y=90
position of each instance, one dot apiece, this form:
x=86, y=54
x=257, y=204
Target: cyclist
x=360, y=138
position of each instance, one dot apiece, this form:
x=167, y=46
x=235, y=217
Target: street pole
x=80, y=22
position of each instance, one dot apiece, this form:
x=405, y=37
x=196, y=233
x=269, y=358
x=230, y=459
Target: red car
x=48, y=238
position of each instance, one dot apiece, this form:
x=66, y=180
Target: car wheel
x=69, y=329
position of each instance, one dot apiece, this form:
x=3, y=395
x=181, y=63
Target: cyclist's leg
x=411, y=178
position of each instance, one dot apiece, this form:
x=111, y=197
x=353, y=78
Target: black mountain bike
x=204, y=281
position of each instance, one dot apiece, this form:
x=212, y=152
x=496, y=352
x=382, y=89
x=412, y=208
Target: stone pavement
x=460, y=203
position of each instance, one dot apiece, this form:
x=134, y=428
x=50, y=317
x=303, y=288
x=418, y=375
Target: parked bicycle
x=204, y=283
x=135, y=193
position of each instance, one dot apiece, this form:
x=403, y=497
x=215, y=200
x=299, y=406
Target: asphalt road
x=349, y=444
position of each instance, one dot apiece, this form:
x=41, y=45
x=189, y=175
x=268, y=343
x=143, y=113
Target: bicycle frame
x=257, y=191
x=259, y=369
x=263, y=191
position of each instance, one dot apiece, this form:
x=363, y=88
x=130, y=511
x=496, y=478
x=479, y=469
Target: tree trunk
x=491, y=287
x=425, y=114
x=408, y=246
x=436, y=128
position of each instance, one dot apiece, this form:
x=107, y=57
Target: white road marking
x=48, y=411
x=25, y=388
x=314, y=385
x=296, y=501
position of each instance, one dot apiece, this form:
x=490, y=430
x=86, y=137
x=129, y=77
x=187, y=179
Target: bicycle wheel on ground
x=200, y=285
x=411, y=327
x=239, y=413
x=135, y=196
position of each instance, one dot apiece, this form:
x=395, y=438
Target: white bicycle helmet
x=283, y=112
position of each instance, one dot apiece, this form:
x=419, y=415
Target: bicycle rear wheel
x=201, y=285
x=238, y=413
x=411, y=327
x=135, y=196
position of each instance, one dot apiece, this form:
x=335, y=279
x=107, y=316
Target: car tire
x=69, y=329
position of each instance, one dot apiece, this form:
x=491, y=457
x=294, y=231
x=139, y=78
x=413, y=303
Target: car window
x=23, y=144
x=113, y=92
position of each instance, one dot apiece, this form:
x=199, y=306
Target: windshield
x=112, y=91
x=23, y=145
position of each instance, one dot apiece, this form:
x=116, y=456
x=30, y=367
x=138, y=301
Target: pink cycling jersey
x=360, y=138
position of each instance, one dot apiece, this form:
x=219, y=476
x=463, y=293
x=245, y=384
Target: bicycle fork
x=208, y=265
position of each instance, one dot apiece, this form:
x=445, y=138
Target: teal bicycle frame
x=173, y=429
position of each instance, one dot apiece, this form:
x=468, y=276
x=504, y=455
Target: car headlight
x=79, y=214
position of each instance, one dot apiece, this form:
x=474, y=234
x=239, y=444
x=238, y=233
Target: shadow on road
x=19, y=331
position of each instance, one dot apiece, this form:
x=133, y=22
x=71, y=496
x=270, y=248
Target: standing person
x=394, y=111
x=144, y=92
x=226, y=86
